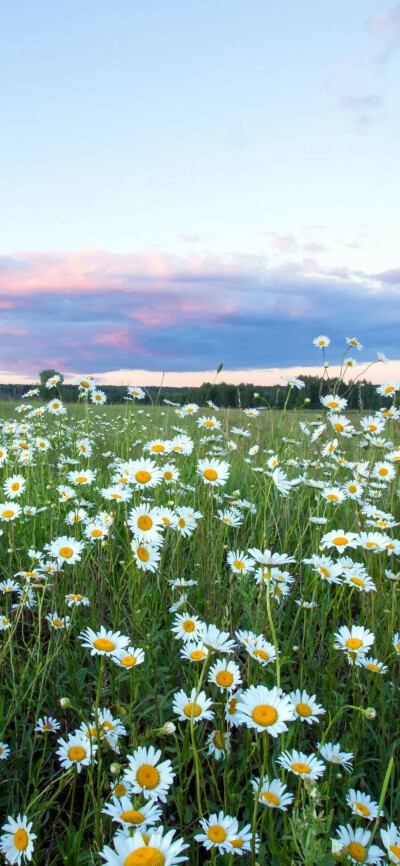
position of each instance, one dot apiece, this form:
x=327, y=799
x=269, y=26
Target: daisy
x=218, y=744
x=187, y=627
x=122, y=810
x=82, y=476
x=182, y=445
x=332, y=753
x=103, y=642
x=4, y=751
x=170, y=473
x=9, y=511
x=129, y=658
x=355, y=843
x=239, y=562
x=4, y=623
x=144, y=473
x=321, y=341
x=14, y=486
x=218, y=830
x=334, y=495
x=217, y=640
x=362, y=805
x=265, y=710
x=353, y=489
x=145, y=523
x=214, y=472
x=305, y=766
x=383, y=470
x=147, y=556
x=396, y=642
x=373, y=665
x=339, y=539
x=373, y=541
x=241, y=842
x=95, y=531
x=56, y=622
x=159, y=850
x=231, y=517
x=77, y=751
x=16, y=843
x=272, y=793
x=135, y=392
x=355, y=641
x=75, y=599
x=388, y=388
x=225, y=674
x=209, y=423
x=116, y=493
x=147, y=776
x=391, y=841
x=362, y=582
x=98, y=397
x=65, y=549
x=194, y=652
x=305, y=706
x=194, y=708
x=47, y=725
x=66, y=493
x=268, y=558
x=326, y=568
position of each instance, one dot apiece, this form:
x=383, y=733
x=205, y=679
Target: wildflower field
x=200, y=633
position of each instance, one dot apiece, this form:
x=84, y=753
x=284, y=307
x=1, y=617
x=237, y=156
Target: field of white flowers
x=200, y=633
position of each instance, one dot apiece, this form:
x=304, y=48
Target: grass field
x=199, y=632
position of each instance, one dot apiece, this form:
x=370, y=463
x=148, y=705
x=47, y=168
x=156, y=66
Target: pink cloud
x=120, y=338
x=13, y=332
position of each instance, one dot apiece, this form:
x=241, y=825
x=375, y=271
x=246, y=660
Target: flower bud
x=65, y=703
x=115, y=769
x=371, y=713
x=307, y=400
x=168, y=728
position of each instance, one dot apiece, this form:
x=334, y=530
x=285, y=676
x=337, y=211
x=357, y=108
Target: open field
x=199, y=631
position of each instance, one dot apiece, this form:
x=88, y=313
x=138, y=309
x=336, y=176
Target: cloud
x=386, y=23
x=94, y=312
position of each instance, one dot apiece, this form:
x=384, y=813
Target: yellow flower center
x=58, y=622
x=143, y=477
x=115, y=496
x=132, y=817
x=197, y=655
x=340, y=540
x=168, y=475
x=147, y=776
x=218, y=740
x=143, y=554
x=238, y=563
x=66, y=552
x=264, y=715
x=352, y=488
x=76, y=753
x=76, y=597
x=261, y=654
x=216, y=833
x=339, y=427
x=8, y=513
x=224, y=679
x=383, y=471
x=270, y=798
x=299, y=767
x=96, y=533
x=333, y=404
x=237, y=843
x=56, y=405
x=145, y=522
x=332, y=497
x=303, y=710
x=363, y=809
x=395, y=849
x=104, y=645
x=188, y=625
x=354, y=643
x=209, y=423
x=21, y=839
x=119, y=790
x=181, y=523
x=323, y=570
x=146, y=856
x=232, y=706
x=357, y=581
x=389, y=389
x=372, y=427
x=371, y=544
x=210, y=474
x=372, y=667
x=15, y=486
x=128, y=661
x=81, y=479
x=189, y=709
x=356, y=851
x=85, y=384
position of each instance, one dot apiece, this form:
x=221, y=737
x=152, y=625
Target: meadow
x=200, y=633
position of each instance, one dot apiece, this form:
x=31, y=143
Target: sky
x=185, y=184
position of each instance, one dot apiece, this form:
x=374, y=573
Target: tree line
x=360, y=395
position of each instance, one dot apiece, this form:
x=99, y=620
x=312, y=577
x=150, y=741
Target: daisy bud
x=307, y=400
x=337, y=850
x=168, y=728
x=371, y=713
x=115, y=769
x=336, y=645
x=296, y=649
x=256, y=395
x=65, y=703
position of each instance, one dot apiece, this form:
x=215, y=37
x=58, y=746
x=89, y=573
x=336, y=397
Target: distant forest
x=360, y=396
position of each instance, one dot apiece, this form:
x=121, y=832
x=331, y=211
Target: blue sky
x=251, y=145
